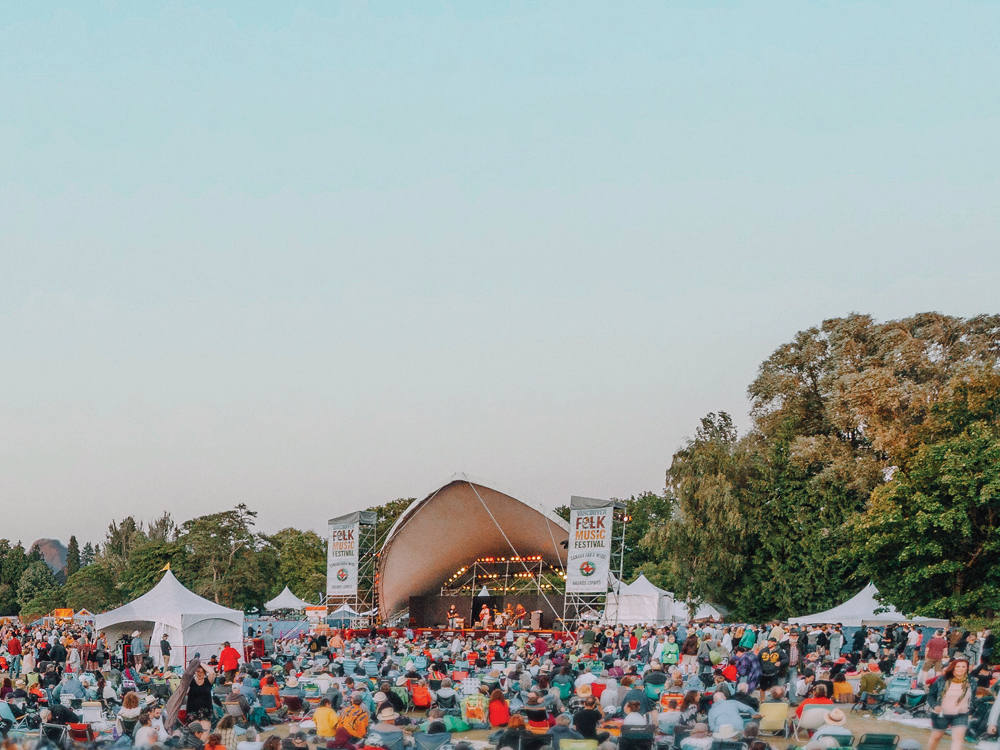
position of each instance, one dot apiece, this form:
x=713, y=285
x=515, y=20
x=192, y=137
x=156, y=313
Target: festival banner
x=588, y=559
x=342, y=556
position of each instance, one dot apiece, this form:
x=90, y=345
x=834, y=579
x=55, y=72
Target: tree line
x=219, y=556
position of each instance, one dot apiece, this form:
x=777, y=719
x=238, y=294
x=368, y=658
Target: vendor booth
x=192, y=624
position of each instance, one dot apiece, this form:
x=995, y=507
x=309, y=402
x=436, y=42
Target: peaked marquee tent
x=705, y=611
x=862, y=610
x=639, y=602
x=193, y=624
x=286, y=600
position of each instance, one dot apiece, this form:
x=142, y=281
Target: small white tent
x=639, y=602
x=682, y=613
x=286, y=600
x=861, y=610
x=193, y=624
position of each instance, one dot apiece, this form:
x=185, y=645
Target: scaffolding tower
x=589, y=606
x=364, y=600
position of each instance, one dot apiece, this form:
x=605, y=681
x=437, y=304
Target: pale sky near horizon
x=316, y=256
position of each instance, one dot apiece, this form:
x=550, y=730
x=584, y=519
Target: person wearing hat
x=871, y=681
x=699, y=739
x=834, y=726
x=725, y=732
x=773, y=663
x=165, y=651
x=387, y=730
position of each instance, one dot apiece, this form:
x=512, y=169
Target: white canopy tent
x=705, y=611
x=192, y=624
x=861, y=610
x=639, y=602
x=286, y=600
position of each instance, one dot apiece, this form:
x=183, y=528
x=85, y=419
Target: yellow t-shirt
x=326, y=721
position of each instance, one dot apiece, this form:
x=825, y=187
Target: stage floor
x=465, y=633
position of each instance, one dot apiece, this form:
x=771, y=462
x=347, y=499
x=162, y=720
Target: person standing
x=952, y=699
x=836, y=642
x=138, y=650
x=229, y=661
x=165, y=651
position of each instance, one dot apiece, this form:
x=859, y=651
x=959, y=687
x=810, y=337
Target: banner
x=588, y=559
x=342, y=556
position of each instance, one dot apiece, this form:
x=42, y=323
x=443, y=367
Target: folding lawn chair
x=577, y=744
x=812, y=719
x=872, y=741
x=725, y=745
x=774, y=719
x=635, y=738
x=423, y=741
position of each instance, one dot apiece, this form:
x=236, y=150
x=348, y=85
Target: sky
x=317, y=256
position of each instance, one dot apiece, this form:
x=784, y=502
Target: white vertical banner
x=588, y=559
x=342, y=556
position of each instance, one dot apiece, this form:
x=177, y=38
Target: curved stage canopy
x=453, y=525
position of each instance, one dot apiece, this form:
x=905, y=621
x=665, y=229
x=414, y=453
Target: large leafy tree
x=302, y=563
x=930, y=537
x=219, y=550
x=36, y=578
x=146, y=564
x=90, y=588
x=122, y=538
x=42, y=604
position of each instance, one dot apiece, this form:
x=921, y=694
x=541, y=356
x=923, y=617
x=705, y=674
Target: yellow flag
x=165, y=567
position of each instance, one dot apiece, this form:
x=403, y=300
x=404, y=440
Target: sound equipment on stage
x=460, y=623
x=536, y=620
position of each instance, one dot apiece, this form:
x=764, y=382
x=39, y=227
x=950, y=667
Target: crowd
x=685, y=686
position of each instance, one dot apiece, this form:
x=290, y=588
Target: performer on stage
x=452, y=616
x=484, y=616
x=520, y=614
x=497, y=618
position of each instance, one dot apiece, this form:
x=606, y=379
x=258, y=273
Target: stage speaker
x=536, y=620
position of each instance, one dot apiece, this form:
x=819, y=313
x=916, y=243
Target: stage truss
x=503, y=576
x=579, y=608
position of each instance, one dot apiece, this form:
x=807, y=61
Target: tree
x=122, y=538
x=302, y=563
x=72, y=556
x=42, y=604
x=388, y=514
x=162, y=529
x=930, y=537
x=90, y=588
x=145, y=567
x=37, y=578
x=216, y=545
x=88, y=556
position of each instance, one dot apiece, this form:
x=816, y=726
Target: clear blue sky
x=314, y=256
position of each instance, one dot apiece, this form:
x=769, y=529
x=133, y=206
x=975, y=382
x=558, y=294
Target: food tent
x=639, y=602
x=193, y=624
x=286, y=600
x=862, y=610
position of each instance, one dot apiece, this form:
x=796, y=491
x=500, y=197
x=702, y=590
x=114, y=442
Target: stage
x=474, y=633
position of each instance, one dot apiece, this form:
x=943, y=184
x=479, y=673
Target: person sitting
x=355, y=717
x=499, y=710
x=537, y=716
x=517, y=737
x=326, y=719
x=129, y=712
x=776, y=695
x=871, y=681
x=636, y=693
x=725, y=711
x=250, y=740
x=421, y=696
x=699, y=739
x=562, y=731
x=634, y=716
x=447, y=698
x=819, y=697
x=834, y=725
x=842, y=691
x=587, y=719
x=743, y=696
x=667, y=720
x=386, y=726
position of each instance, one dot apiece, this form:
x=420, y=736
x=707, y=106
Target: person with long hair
x=689, y=706
x=952, y=698
x=499, y=710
